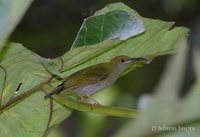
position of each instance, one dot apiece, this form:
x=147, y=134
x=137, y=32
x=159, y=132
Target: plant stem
x=69, y=103
x=19, y=98
x=112, y=111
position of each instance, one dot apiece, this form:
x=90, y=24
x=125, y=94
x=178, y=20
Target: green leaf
x=115, y=24
x=11, y=11
x=159, y=39
x=23, y=78
x=166, y=113
x=25, y=111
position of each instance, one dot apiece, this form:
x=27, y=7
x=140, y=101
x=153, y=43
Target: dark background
x=50, y=26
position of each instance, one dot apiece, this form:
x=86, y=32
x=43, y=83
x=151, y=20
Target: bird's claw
x=81, y=100
x=94, y=105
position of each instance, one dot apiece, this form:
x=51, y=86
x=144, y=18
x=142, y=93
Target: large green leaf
x=166, y=115
x=115, y=24
x=11, y=11
x=159, y=39
x=28, y=114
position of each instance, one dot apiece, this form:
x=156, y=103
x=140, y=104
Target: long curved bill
x=136, y=59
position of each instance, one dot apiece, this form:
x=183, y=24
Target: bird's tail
x=55, y=91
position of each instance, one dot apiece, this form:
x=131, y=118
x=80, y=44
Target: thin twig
x=20, y=97
x=50, y=117
x=4, y=83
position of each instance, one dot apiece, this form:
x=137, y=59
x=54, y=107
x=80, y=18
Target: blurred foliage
x=166, y=114
x=10, y=14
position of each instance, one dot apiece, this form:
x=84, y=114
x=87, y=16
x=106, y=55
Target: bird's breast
x=93, y=88
x=90, y=89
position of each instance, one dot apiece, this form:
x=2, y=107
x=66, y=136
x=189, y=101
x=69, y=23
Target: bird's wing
x=89, y=76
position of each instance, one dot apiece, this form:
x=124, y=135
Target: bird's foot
x=82, y=100
x=95, y=104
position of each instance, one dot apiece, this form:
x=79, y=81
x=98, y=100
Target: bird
x=92, y=79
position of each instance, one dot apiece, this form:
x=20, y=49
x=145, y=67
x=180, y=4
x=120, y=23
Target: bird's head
x=123, y=61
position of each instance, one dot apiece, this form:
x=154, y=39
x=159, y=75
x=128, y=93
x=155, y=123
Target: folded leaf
x=114, y=24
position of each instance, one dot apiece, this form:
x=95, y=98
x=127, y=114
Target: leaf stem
x=112, y=111
x=22, y=96
x=69, y=103
x=4, y=83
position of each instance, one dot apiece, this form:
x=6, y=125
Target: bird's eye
x=122, y=60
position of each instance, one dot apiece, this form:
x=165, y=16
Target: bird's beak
x=136, y=59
